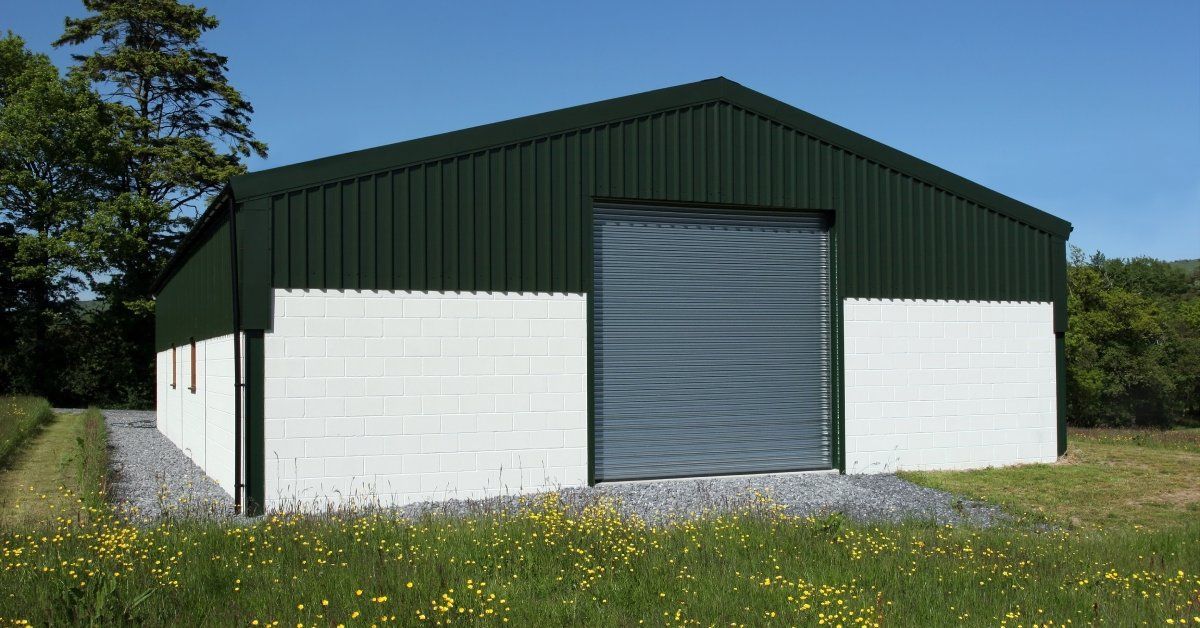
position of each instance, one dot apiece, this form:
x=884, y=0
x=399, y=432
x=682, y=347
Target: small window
x=174, y=368
x=193, y=352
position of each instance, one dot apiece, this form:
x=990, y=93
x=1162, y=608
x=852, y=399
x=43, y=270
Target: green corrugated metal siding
x=197, y=301
x=906, y=239
x=512, y=217
x=255, y=457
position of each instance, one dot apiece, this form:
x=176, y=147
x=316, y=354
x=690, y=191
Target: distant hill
x=1186, y=265
x=90, y=305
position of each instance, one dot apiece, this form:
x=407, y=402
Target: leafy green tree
x=1133, y=342
x=183, y=132
x=1186, y=321
x=55, y=164
x=1153, y=278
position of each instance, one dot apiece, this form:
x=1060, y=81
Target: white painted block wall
x=168, y=401
x=948, y=384
x=200, y=423
x=393, y=397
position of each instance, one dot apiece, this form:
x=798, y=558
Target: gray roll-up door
x=710, y=342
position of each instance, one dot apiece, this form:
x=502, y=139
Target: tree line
x=1133, y=342
x=104, y=166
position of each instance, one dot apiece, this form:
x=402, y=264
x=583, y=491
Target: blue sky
x=1087, y=109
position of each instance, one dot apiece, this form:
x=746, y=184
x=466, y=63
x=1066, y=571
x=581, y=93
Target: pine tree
x=183, y=132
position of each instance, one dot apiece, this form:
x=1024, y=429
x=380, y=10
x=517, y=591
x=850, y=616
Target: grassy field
x=20, y=419
x=1184, y=439
x=548, y=566
x=1109, y=477
x=60, y=471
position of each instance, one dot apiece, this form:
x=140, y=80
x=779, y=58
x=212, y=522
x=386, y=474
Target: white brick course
x=395, y=397
x=200, y=423
x=948, y=384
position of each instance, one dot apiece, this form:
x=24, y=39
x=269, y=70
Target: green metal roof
x=483, y=137
x=383, y=158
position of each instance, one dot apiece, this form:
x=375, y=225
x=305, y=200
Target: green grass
x=1109, y=477
x=60, y=472
x=20, y=418
x=547, y=567
x=1182, y=439
x=91, y=459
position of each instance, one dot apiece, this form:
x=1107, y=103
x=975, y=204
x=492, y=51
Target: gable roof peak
x=528, y=128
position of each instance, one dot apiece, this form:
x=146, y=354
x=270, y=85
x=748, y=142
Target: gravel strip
x=862, y=498
x=153, y=478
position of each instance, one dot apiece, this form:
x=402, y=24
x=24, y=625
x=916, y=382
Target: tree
x=183, y=132
x=1133, y=342
x=1145, y=275
x=55, y=163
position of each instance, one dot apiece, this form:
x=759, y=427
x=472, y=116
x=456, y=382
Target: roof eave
x=192, y=238
x=896, y=159
x=478, y=138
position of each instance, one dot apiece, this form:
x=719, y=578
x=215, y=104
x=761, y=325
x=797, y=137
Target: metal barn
x=698, y=280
